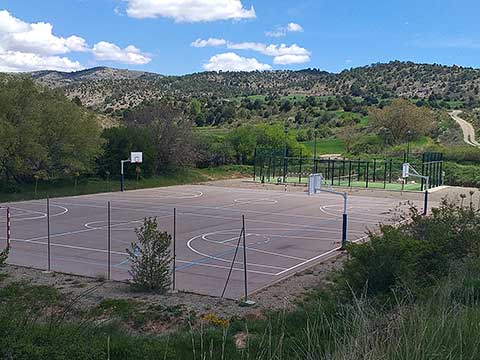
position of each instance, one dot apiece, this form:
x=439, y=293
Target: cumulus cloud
x=291, y=59
x=283, y=54
x=30, y=47
x=283, y=30
x=36, y=38
x=270, y=50
x=293, y=27
x=190, y=10
x=111, y=52
x=233, y=62
x=200, y=43
x=15, y=61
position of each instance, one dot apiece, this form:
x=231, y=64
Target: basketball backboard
x=136, y=157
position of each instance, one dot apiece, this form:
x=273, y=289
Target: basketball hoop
x=136, y=157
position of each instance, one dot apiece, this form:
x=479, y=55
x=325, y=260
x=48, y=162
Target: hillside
x=104, y=88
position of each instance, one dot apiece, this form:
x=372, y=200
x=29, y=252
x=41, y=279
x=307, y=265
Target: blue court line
x=196, y=262
x=191, y=264
x=121, y=263
x=204, y=260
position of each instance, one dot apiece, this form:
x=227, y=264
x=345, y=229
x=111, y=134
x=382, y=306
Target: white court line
x=74, y=232
x=224, y=267
x=82, y=248
x=317, y=257
x=319, y=218
x=326, y=253
x=115, y=208
x=229, y=208
x=212, y=266
x=353, y=219
x=157, y=192
x=43, y=215
x=189, y=242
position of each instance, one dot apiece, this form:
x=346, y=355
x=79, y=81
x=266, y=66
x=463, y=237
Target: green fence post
x=366, y=175
x=349, y=173
x=385, y=174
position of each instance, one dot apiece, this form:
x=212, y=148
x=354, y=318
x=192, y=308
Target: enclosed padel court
x=271, y=166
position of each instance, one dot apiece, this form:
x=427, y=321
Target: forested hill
x=105, y=88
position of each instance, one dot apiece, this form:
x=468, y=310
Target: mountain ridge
x=108, y=89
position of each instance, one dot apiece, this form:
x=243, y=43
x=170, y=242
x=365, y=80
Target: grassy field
x=354, y=184
x=325, y=146
x=95, y=185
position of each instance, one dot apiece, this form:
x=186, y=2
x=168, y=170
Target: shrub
x=150, y=258
x=414, y=255
x=4, y=256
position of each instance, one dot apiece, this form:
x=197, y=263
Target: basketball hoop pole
x=135, y=158
x=122, y=176
x=407, y=171
x=312, y=189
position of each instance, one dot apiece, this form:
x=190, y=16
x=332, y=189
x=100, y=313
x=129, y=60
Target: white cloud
x=200, y=43
x=30, y=47
x=291, y=59
x=282, y=54
x=190, y=10
x=283, y=30
x=36, y=38
x=233, y=62
x=293, y=27
x=111, y=52
x=270, y=50
x=15, y=61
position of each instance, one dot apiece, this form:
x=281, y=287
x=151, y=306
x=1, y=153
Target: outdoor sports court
x=285, y=232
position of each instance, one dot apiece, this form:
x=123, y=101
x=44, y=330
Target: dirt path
x=467, y=128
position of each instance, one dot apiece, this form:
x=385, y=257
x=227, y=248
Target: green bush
x=461, y=175
x=150, y=258
x=368, y=144
x=412, y=256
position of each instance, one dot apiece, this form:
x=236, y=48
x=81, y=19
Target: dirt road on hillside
x=467, y=128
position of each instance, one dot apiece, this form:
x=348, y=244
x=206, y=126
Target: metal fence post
x=174, y=248
x=48, y=234
x=8, y=228
x=109, y=242
x=244, y=257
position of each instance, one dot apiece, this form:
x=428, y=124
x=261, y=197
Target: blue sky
x=159, y=35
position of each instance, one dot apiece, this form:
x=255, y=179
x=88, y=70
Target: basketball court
x=285, y=232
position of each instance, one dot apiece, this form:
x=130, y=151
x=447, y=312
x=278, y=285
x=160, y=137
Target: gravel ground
x=282, y=295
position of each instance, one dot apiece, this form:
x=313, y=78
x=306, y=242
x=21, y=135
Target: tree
x=119, y=142
x=403, y=119
x=150, y=258
x=286, y=106
x=348, y=134
x=171, y=132
x=43, y=131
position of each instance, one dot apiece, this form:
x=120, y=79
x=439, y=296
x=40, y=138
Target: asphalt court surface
x=285, y=232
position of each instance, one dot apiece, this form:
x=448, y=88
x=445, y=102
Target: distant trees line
x=44, y=135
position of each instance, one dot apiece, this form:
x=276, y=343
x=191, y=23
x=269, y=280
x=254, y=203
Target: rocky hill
x=107, y=89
